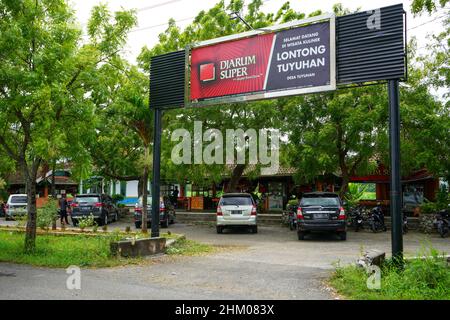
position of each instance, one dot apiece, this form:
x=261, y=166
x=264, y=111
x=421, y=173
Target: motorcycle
x=293, y=218
x=405, y=223
x=442, y=223
x=376, y=219
x=356, y=218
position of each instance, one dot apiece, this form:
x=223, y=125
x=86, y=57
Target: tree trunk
x=235, y=177
x=344, y=187
x=30, y=176
x=145, y=191
x=53, y=186
x=53, y=190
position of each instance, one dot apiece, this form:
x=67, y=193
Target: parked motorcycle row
x=361, y=217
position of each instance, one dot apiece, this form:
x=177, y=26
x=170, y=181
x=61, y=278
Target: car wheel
x=301, y=235
x=219, y=229
x=103, y=221
x=343, y=236
x=255, y=229
x=165, y=224
x=138, y=224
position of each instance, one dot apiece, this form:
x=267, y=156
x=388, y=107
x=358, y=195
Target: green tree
x=209, y=24
x=50, y=84
x=122, y=148
x=339, y=132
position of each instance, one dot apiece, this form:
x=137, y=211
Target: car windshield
x=149, y=201
x=319, y=201
x=236, y=201
x=19, y=199
x=86, y=199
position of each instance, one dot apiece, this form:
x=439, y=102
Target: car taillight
x=74, y=204
x=98, y=204
x=300, y=214
x=341, y=214
x=253, y=211
x=219, y=211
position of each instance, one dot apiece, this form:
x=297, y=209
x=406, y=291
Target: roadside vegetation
x=189, y=248
x=421, y=279
x=84, y=250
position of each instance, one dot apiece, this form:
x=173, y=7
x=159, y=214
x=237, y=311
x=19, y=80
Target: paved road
x=269, y=265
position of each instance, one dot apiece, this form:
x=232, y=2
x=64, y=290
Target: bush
x=428, y=208
x=117, y=197
x=86, y=222
x=47, y=214
x=424, y=278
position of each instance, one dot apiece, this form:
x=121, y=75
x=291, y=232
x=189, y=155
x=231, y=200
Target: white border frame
x=271, y=94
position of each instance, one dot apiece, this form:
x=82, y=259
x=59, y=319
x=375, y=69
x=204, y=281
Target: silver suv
x=16, y=205
x=236, y=209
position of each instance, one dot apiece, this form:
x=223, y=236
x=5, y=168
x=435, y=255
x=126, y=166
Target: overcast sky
x=154, y=14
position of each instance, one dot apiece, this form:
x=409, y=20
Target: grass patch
x=367, y=195
x=60, y=251
x=421, y=279
x=189, y=248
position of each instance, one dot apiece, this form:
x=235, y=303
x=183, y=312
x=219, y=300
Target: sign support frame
x=395, y=177
x=156, y=179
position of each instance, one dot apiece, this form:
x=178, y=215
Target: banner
x=272, y=64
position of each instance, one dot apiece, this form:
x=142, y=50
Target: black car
x=321, y=211
x=166, y=212
x=101, y=206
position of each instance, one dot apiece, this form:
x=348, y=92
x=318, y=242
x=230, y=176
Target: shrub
x=86, y=222
x=428, y=207
x=117, y=197
x=427, y=277
x=47, y=214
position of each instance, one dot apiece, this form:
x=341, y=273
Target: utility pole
x=396, y=186
x=156, y=171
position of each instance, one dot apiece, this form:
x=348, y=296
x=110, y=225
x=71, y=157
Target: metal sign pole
x=396, y=187
x=156, y=171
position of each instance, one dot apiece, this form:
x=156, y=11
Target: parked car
x=167, y=213
x=16, y=206
x=100, y=206
x=321, y=211
x=236, y=209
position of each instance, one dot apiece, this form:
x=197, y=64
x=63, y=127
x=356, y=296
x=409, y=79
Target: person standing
x=63, y=209
x=175, y=193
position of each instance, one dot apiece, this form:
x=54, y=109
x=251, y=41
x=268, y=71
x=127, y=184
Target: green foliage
x=117, y=197
x=442, y=199
x=189, y=248
x=419, y=6
x=47, y=214
x=428, y=207
x=59, y=251
x=86, y=222
x=354, y=194
x=52, y=83
x=209, y=24
x=427, y=278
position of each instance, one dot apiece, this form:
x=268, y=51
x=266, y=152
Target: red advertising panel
x=286, y=62
x=230, y=67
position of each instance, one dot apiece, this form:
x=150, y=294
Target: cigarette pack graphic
x=207, y=72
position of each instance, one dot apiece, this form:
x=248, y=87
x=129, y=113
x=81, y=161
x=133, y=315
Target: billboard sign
x=293, y=58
